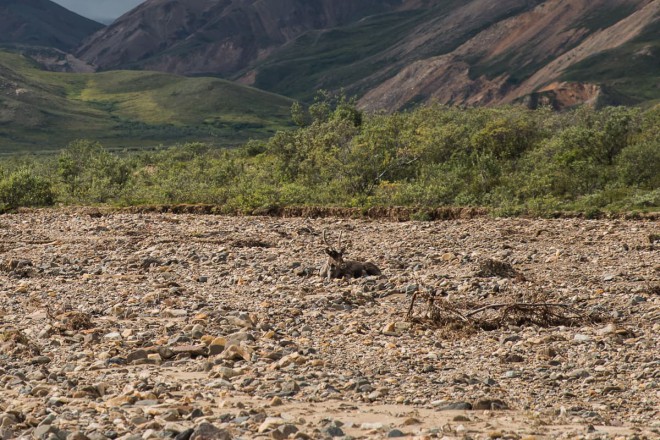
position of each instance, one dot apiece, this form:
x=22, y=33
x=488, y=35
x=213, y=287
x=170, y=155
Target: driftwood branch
x=466, y=314
x=521, y=305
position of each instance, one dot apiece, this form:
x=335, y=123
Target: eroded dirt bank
x=159, y=325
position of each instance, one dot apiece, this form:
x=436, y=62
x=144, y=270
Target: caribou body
x=337, y=267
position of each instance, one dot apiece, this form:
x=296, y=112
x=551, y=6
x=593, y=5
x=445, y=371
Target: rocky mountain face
x=209, y=37
x=529, y=52
x=42, y=23
x=395, y=53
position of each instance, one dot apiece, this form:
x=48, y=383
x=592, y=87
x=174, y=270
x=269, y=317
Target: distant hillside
x=42, y=110
x=43, y=23
x=534, y=50
x=395, y=53
x=198, y=37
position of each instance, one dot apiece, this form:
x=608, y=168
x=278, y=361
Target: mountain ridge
x=43, y=23
x=391, y=54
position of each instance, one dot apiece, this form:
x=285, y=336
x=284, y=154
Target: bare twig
x=459, y=315
x=412, y=305
x=522, y=305
x=465, y=314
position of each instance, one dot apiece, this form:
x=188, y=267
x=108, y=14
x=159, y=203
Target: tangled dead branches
x=15, y=343
x=465, y=314
x=70, y=321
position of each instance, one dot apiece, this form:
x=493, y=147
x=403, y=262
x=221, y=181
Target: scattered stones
x=97, y=344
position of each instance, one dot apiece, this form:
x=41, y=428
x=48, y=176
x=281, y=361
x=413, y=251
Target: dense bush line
x=511, y=159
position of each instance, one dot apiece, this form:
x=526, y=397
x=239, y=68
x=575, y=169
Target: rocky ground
x=139, y=326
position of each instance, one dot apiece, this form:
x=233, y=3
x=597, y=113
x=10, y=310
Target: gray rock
x=283, y=431
x=207, y=431
x=197, y=331
x=581, y=338
x=6, y=433
x=490, y=405
x=184, y=435
x=40, y=360
x=395, y=433
x=43, y=431
x=136, y=355
x=452, y=406
x=48, y=420
x=578, y=374
x=333, y=431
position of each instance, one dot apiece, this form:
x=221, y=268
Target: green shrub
x=639, y=165
x=24, y=188
x=90, y=174
x=513, y=160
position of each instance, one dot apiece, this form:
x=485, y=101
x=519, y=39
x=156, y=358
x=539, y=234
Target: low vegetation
x=40, y=111
x=512, y=160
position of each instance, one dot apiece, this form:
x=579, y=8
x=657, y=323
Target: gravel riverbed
x=149, y=326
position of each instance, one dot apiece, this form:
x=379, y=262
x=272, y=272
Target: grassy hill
x=41, y=110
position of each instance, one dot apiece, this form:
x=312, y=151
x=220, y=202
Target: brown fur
x=337, y=267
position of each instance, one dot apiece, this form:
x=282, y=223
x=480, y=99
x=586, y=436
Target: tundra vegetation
x=510, y=159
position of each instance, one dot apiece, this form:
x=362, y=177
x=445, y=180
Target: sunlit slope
x=42, y=110
x=631, y=71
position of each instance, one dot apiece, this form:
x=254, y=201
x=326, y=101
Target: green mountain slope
x=392, y=54
x=42, y=110
x=43, y=23
x=331, y=59
x=631, y=72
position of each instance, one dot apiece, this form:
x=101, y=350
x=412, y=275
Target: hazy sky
x=100, y=10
